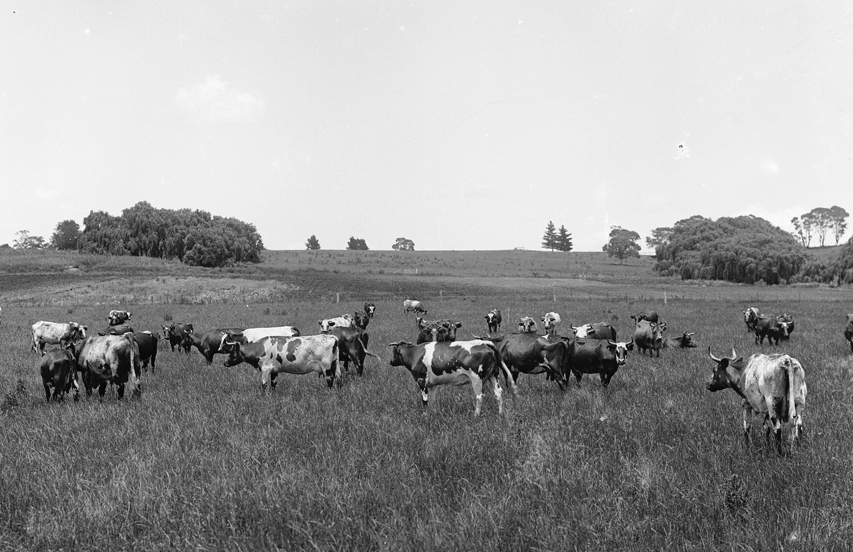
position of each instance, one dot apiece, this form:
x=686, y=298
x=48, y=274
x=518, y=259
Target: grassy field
x=204, y=461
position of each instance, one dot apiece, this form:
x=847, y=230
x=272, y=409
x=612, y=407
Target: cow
x=598, y=330
x=410, y=305
x=685, y=341
x=360, y=320
x=369, y=309
x=848, y=331
x=352, y=346
x=526, y=324
x=117, y=330
x=773, y=385
x=250, y=335
x=648, y=336
x=293, y=355
x=174, y=334
x=147, y=343
x=787, y=321
x=493, y=320
x=771, y=328
x=118, y=317
x=208, y=343
x=109, y=359
x=57, y=367
x=475, y=362
x=550, y=322
x=750, y=318
x=530, y=353
x=649, y=315
x=54, y=333
x=327, y=324
x=436, y=330
x=596, y=356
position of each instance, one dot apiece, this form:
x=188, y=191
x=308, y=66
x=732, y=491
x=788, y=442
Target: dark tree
x=564, y=240
x=357, y=244
x=549, y=240
x=313, y=244
x=660, y=237
x=26, y=241
x=622, y=244
x=839, y=221
x=65, y=235
x=403, y=244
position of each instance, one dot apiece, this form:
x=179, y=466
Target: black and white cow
x=596, y=356
x=117, y=317
x=493, y=320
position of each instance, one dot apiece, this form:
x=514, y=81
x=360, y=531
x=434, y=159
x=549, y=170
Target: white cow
x=110, y=359
x=54, y=332
x=550, y=321
x=344, y=321
x=251, y=335
x=773, y=385
x=410, y=305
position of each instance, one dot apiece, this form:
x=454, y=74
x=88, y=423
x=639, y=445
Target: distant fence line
x=746, y=296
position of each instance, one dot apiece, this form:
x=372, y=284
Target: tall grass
x=205, y=461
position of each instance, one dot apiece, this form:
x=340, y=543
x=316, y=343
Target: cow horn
x=691, y=333
x=394, y=344
x=734, y=354
x=715, y=359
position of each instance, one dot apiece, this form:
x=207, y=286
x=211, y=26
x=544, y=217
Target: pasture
x=205, y=461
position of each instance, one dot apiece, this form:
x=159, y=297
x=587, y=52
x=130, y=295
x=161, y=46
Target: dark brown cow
x=786, y=320
x=848, y=331
x=208, y=343
x=648, y=336
x=369, y=309
x=174, y=334
x=57, y=372
x=649, y=315
x=685, y=341
x=530, y=353
x=352, y=346
x=453, y=363
x=360, y=320
x=596, y=356
x=147, y=343
x=771, y=328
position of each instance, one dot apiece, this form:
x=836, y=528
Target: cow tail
x=364, y=348
x=792, y=389
x=503, y=368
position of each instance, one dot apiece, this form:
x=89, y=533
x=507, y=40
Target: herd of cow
x=773, y=385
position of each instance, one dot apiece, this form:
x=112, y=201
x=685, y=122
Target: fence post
x=337, y=297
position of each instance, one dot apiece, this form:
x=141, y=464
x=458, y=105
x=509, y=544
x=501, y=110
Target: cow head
x=550, y=320
x=582, y=331
x=527, y=325
x=117, y=317
x=235, y=355
x=492, y=316
x=750, y=315
x=78, y=331
x=620, y=350
x=326, y=326
x=369, y=309
x=720, y=378
x=450, y=329
x=397, y=352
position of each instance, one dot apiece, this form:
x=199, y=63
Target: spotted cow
x=109, y=359
x=55, y=332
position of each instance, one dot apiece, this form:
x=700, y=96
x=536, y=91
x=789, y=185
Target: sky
x=458, y=125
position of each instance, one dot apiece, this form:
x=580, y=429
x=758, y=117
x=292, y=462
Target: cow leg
x=102, y=389
x=424, y=393
x=273, y=375
x=499, y=394
x=578, y=376
x=747, y=418
x=47, y=391
x=605, y=379
x=477, y=384
x=265, y=377
x=120, y=391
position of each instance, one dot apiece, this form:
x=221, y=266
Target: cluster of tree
x=403, y=244
x=357, y=244
x=193, y=237
x=560, y=240
x=819, y=222
x=743, y=249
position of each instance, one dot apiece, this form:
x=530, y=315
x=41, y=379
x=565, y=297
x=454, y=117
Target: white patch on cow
x=468, y=345
x=429, y=351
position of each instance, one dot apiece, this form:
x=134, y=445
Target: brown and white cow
x=344, y=321
x=526, y=324
x=648, y=336
x=117, y=317
x=292, y=355
x=475, y=362
x=57, y=368
x=750, y=317
x=208, y=343
x=684, y=341
x=848, y=331
x=109, y=359
x=596, y=356
x=493, y=320
x=54, y=333
x=174, y=334
x=773, y=385
x=550, y=322
x=598, y=330
x=410, y=305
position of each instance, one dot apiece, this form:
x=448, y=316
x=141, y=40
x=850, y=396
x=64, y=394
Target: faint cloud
x=46, y=195
x=217, y=100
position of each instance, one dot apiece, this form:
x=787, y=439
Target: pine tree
x=313, y=243
x=549, y=240
x=564, y=240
